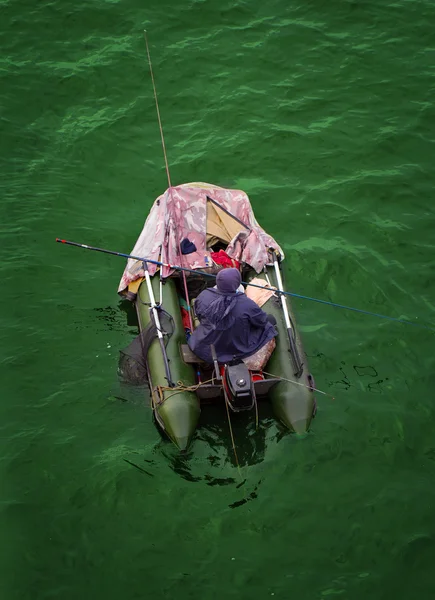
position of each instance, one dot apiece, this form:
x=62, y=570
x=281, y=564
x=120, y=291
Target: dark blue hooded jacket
x=230, y=320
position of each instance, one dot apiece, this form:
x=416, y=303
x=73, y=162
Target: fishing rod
x=157, y=109
x=205, y=274
x=167, y=172
x=153, y=305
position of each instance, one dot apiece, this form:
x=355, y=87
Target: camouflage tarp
x=182, y=212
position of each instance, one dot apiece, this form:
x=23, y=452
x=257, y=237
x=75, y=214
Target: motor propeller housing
x=239, y=386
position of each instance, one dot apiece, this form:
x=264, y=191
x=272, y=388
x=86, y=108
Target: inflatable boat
x=193, y=231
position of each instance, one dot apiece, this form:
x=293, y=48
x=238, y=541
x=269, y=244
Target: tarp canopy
x=203, y=214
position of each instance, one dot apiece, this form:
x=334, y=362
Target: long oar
x=292, y=294
x=155, y=314
x=296, y=359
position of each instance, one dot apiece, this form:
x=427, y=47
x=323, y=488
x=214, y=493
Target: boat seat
x=189, y=357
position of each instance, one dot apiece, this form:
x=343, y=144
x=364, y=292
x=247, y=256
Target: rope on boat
x=233, y=443
x=180, y=387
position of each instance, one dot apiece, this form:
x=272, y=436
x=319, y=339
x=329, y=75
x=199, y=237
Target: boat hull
x=292, y=399
x=176, y=410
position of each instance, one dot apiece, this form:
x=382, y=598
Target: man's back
x=232, y=322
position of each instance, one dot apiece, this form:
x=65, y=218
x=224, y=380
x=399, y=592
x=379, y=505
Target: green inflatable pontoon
x=193, y=231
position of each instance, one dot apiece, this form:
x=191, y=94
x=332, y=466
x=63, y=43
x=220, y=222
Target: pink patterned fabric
x=181, y=212
x=259, y=360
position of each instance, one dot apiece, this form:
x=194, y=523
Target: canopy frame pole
x=229, y=213
x=161, y=281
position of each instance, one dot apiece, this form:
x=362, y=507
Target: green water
x=323, y=113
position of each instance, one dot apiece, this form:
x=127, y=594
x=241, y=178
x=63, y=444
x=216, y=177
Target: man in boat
x=236, y=326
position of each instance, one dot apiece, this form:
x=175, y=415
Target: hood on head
x=228, y=280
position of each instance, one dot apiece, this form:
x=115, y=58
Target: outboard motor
x=239, y=387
